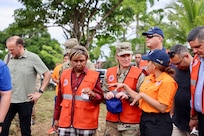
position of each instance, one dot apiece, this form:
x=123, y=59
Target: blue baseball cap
x=158, y=56
x=154, y=30
x=114, y=105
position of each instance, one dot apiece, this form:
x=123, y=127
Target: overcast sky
x=7, y=8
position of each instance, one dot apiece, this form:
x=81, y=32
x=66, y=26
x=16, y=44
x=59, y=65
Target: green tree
x=78, y=18
x=183, y=16
x=37, y=41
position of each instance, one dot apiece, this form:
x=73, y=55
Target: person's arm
x=46, y=80
x=57, y=108
x=97, y=97
x=34, y=97
x=106, y=92
x=172, y=110
x=4, y=105
x=151, y=101
x=137, y=96
x=140, y=81
x=55, y=74
x=5, y=92
x=55, y=80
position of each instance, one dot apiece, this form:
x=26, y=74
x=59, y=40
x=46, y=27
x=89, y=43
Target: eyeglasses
x=149, y=36
x=178, y=63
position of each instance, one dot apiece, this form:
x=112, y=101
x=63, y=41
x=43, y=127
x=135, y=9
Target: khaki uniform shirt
x=23, y=74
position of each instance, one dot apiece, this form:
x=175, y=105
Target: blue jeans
x=24, y=111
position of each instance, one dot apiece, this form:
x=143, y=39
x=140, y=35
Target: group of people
x=162, y=98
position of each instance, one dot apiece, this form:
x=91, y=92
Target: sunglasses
x=149, y=36
x=171, y=54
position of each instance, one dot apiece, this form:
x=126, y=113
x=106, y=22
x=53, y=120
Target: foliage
x=80, y=19
x=37, y=41
x=183, y=16
x=97, y=23
x=92, y=21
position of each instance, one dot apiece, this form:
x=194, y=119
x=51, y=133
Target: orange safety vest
x=194, y=78
x=76, y=111
x=129, y=114
x=143, y=64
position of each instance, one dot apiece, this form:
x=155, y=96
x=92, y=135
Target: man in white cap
x=154, y=38
x=127, y=121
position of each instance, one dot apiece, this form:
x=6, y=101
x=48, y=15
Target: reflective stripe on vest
x=131, y=79
x=77, y=97
x=76, y=111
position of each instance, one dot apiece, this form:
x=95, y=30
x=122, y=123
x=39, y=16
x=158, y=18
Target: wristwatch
x=40, y=91
x=1, y=124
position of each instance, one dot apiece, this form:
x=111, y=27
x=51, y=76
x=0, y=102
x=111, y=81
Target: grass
x=44, y=114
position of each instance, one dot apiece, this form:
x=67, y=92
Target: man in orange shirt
x=55, y=78
x=55, y=74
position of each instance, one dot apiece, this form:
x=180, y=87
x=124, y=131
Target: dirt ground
x=44, y=110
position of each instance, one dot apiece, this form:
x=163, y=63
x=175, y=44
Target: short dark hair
x=196, y=33
x=177, y=49
x=18, y=40
x=66, y=54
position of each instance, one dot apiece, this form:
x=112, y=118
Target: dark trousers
x=156, y=124
x=201, y=124
x=24, y=111
x=55, y=99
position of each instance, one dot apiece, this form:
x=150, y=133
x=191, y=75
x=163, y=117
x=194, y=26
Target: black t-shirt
x=182, y=98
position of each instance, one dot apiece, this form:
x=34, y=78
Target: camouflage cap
x=124, y=48
x=69, y=43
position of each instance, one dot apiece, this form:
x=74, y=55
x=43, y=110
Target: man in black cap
x=154, y=38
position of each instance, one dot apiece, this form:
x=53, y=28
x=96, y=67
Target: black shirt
x=182, y=98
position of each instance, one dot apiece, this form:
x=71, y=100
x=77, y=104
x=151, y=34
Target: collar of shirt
x=124, y=71
x=25, y=55
x=85, y=70
x=76, y=81
x=162, y=76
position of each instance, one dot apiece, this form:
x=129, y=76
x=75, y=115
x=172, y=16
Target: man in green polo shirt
x=24, y=67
